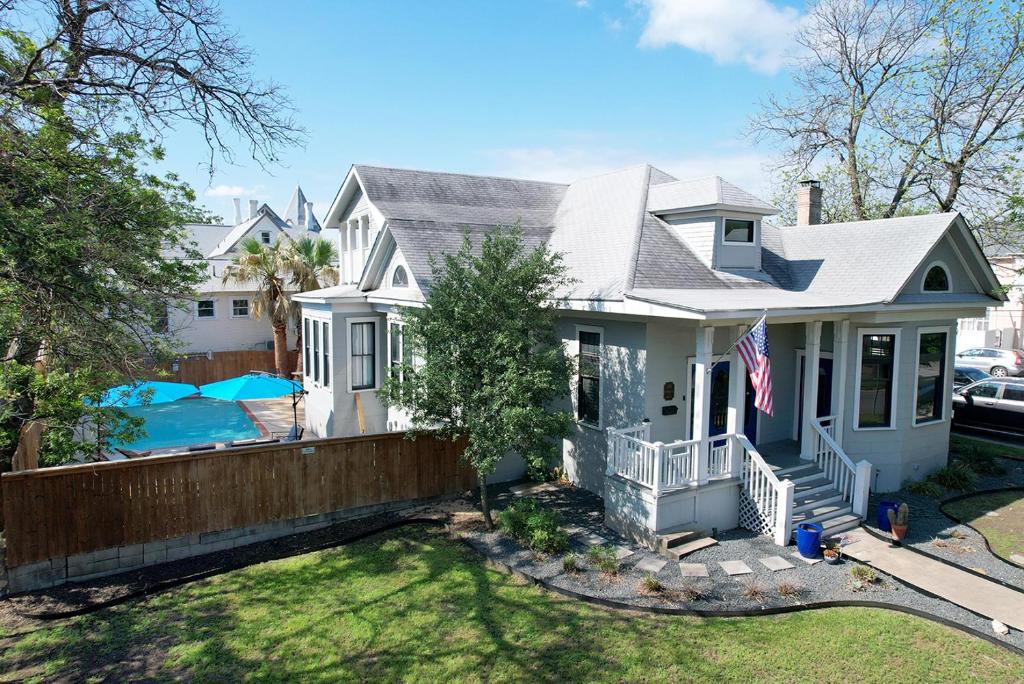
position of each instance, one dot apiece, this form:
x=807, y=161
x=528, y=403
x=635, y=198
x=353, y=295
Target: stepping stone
x=992, y=514
x=736, y=567
x=776, y=563
x=531, y=488
x=693, y=569
x=573, y=529
x=623, y=552
x=652, y=565
x=809, y=561
x=594, y=539
x=1017, y=558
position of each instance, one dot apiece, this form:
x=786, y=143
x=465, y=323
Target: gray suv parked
x=998, y=362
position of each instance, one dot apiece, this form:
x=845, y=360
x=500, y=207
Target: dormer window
x=936, y=279
x=739, y=231
x=265, y=237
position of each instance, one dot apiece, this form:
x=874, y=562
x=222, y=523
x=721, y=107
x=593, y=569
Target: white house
x=669, y=272
x=221, y=319
x=1003, y=325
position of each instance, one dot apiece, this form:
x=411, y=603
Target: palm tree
x=310, y=263
x=265, y=266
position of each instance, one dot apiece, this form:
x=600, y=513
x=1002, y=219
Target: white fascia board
x=380, y=252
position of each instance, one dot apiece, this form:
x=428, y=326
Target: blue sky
x=550, y=89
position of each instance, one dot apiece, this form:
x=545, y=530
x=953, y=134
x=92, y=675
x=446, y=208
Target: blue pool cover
x=190, y=421
x=251, y=386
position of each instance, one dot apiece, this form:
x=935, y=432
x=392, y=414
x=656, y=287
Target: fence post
x=736, y=450
x=784, y=512
x=862, y=489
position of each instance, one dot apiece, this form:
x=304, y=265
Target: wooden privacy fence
x=63, y=511
x=200, y=370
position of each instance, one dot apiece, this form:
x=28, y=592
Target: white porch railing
x=852, y=481
x=766, y=502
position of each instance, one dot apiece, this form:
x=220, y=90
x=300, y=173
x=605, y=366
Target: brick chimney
x=808, y=203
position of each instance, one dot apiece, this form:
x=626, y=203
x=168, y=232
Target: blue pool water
x=191, y=421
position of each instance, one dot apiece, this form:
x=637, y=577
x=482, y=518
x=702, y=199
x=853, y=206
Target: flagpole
x=728, y=351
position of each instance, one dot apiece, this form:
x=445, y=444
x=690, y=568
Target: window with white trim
x=936, y=279
x=930, y=397
x=239, y=308
x=738, y=231
x=265, y=237
x=588, y=376
x=316, y=351
x=206, y=308
x=326, y=355
x=363, y=355
x=400, y=277
x=876, y=378
x=306, y=341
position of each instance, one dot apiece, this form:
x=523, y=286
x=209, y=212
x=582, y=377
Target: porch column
x=812, y=360
x=702, y=398
x=840, y=363
x=737, y=404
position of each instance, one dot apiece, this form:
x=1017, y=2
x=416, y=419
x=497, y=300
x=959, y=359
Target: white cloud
x=231, y=191
x=582, y=3
x=743, y=167
x=613, y=24
x=757, y=33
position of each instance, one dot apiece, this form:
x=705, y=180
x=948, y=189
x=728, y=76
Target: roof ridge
x=453, y=173
x=819, y=226
x=634, y=252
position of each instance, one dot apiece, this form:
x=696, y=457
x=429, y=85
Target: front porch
x=721, y=478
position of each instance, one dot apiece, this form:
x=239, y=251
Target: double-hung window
x=876, y=378
x=930, y=398
x=316, y=351
x=306, y=341
x=206, y=308
x=326, y=355
x=239, y=308
x=395, y=342
x=363, y=355
x=588, y=380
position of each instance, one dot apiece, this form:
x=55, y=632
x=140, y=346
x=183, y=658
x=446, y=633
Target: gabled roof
x=239, y=231
x=702, y=193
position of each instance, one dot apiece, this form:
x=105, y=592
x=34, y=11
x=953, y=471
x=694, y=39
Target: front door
x=824, y=392
x=719, y=419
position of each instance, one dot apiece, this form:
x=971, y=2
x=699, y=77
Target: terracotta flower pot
x=899, y=532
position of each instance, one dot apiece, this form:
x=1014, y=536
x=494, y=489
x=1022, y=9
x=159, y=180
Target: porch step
x=677, y=552
x=834, y=523
x=802, y=505
x=812, y=489
x=805, y=468
x=820, y=514
x=669, y=540
x=811, y=476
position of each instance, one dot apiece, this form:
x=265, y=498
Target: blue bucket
x=808, y=539
x=883, y=514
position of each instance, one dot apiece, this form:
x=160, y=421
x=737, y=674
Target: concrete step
x=822, y=514
x=677, y=552
x=822, y=499
x=673, y=539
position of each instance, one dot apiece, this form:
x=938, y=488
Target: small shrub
x=981, y=462
x=789, y=589
x=754, y=590
x=650, y=584
x=691, y=591
x=863, y=574
x=956, y=476
x=533, y=526
x=571, y=564
x=924, y=488
x=603, y=558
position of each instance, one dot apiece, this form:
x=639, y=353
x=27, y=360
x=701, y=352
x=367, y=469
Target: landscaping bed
x=413, y=604
x=759, y=591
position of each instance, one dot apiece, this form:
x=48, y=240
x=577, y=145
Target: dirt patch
x=999, y=516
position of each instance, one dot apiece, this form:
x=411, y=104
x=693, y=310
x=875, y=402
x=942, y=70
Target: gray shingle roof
x=704, y=192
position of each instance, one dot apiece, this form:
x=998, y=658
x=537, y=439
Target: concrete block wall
x=87, y=566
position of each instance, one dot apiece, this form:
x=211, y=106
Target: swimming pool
x=191, y=421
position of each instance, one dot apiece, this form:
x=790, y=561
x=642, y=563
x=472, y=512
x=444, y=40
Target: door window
x=986, y=390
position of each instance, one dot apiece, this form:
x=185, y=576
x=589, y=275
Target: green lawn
x=985, y=447
x=413, y=605
x=1005, y=530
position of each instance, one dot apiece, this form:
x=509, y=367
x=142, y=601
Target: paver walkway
x=952, y=584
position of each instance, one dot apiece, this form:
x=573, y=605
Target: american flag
x=753, y=349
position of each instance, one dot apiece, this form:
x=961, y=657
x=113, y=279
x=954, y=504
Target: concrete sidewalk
x=969, y=591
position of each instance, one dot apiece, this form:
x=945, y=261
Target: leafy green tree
x=311, y=264
x=484, y=362
x=266, y=268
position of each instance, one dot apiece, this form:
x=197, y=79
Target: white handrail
x=768, y=501
x=852, y=481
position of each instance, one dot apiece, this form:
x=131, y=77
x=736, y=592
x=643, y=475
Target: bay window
x=362, y=355
x=876, y=378
x=930, y=397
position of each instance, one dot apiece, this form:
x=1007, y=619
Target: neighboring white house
x=1001, y=326
x=668, y=273
x=221, y=319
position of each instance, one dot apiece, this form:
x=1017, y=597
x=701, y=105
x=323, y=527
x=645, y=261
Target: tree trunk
x=485, y=505
x=281, y=349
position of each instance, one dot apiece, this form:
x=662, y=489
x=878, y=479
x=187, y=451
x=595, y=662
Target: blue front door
x=720, y=403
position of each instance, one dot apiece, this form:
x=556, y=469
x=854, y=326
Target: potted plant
x=898, y=523
x=833, y=553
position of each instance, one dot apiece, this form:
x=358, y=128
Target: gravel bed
x=928, y=525
x=817, y=583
